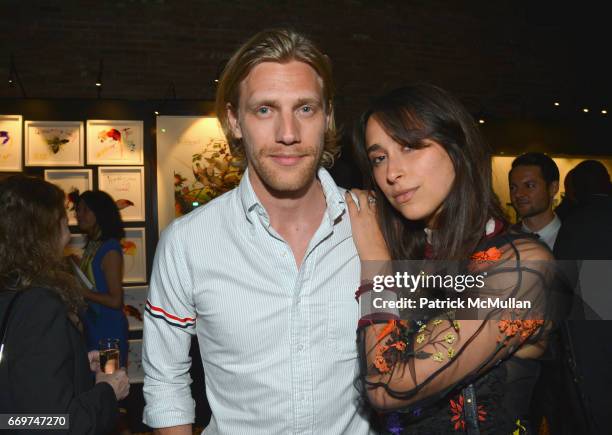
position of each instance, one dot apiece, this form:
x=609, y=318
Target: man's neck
x=539, y=221
x=295, y=215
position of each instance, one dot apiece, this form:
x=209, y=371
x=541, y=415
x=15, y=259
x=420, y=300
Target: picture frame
x=134, y=256
x=54, y=143
x=11, y=149
x=194, y=165
x=70, y=180
x=126, y=185
x=134, y=366
x=114, y=142
x=134, y=299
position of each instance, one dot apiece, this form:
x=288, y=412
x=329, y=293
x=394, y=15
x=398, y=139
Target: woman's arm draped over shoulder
x=404, y=362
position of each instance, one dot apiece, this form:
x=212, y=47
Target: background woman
x=102, y=263
x=44, y=366
x=432, y=199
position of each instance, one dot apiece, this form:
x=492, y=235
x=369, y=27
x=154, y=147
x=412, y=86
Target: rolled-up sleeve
x=169, y=324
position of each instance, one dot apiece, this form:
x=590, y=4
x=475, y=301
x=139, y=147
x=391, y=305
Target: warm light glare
x=156, y=112
x=557, y=103
x=216, y=80
x=604, y=112
x=98, y=84
x=481, y=121
x=585, y=110
x=163, y=130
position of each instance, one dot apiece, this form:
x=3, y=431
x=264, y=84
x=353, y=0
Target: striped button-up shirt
x=277, y=342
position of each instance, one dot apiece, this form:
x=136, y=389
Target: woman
x=44, y=366
x=444, y=369
x=102, y=263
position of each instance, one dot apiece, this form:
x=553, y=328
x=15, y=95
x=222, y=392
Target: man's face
x=281, y=119
x=528, y=191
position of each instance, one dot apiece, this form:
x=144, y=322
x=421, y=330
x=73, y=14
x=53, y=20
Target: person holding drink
x=44, y=364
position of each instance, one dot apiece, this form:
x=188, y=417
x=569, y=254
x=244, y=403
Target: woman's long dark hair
x=107, y=214
x=409, y=115
x=31, y=211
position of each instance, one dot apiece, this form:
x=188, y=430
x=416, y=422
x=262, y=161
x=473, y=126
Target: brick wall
x=508, y=56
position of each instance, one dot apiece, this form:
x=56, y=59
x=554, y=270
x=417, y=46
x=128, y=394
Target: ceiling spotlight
x=156, y=112
x=604, y=112
x=98, y=84
x=585, y=110
x=216, y=80
x=556, y=103
x=481, y=121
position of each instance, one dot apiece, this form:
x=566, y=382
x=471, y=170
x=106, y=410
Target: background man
x=265, y=274
x=534, y=183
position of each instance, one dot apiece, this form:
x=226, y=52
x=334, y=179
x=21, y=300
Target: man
x=264, y=275
x=586, y=236
x=534, y=183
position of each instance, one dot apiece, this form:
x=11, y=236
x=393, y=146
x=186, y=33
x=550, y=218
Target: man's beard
x=534, y=211
x=285, y=181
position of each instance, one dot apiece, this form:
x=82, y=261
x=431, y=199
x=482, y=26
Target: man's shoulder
x=217, y=209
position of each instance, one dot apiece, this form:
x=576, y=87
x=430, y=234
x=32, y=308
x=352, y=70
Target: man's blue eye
x=306, y=109
x=263, y=110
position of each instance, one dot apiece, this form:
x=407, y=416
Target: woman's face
x=86, y=217
x=415, y=181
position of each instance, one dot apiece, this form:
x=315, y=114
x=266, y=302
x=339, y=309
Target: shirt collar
x=336, y=204
x=550, y=227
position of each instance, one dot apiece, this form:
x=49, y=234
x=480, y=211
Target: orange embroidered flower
x=381, y=364
x=399, y=345
x=391, y=325
x=525, y=328
x=490, y=254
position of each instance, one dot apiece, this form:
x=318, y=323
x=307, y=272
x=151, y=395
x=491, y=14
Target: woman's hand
x=118, y=380
x=94, y=360
x=367, y=235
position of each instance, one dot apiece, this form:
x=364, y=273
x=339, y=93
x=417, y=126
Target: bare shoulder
x=532, y=250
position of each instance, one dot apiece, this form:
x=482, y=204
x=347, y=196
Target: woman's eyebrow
x=372, y=148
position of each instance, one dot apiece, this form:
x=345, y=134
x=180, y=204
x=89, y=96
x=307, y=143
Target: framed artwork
x=134, y=256
x=126, y=185
x=134, y=366
x=76, y=246
x=114, y=142
x=134, y=299
x=54, y=143
x=10, y=143
x=194, y=165
x=70, y=181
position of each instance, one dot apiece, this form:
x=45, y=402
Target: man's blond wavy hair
x=281, y=46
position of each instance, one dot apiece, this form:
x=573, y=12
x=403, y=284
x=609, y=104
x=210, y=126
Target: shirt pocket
x=342, y=318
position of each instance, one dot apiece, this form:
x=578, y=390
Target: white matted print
x=134, y=256
x=126, y=186
x=114, y=142
x=194, y=165
x=71, y=181
x=10, y=143
x=134, y=369
x=134, y=299
x=54, y=143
